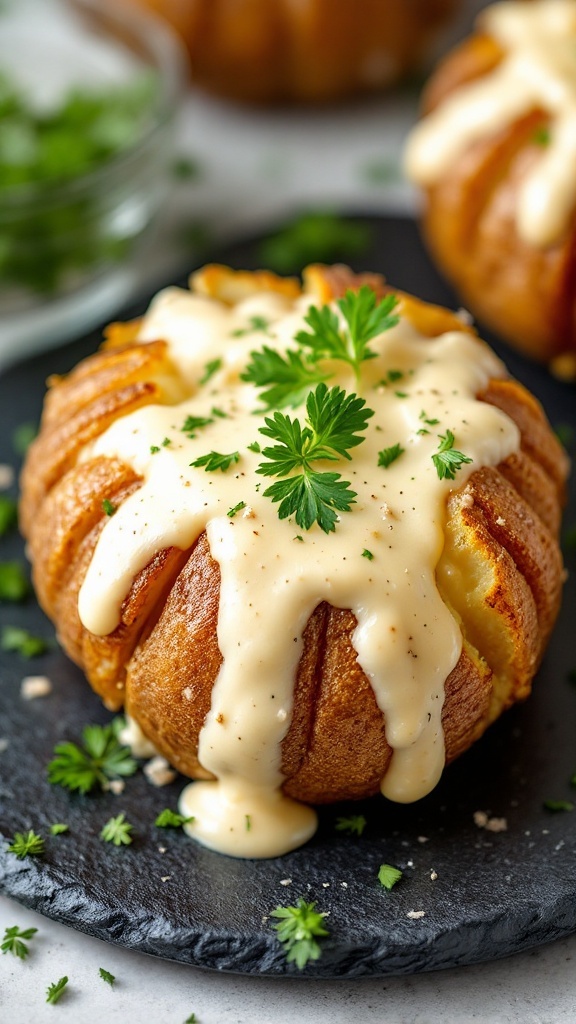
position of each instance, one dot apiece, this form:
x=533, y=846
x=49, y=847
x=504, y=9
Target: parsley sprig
x=334, y=422
x=14, y=941
x=117, y=831
x=448, y=460
x=101, y=758
x=216, y=460
x=298, y=929
x=55, y=990
x=288, y=377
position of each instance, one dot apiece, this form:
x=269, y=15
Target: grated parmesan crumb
x=285, y=881
x=158, y=771
x=501, y=521
x=423, y=839
x=162, y=849
x=344, y=885
x=482, y=820
x=32, y=687
x=415, y=915
x=6, y=476
x=433, y=875
x=325, y=885
x=165, y=878
x=117, y=786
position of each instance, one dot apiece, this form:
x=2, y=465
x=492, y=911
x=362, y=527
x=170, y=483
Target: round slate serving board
x=483, y=894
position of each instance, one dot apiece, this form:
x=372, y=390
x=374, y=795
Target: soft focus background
x=201, y=170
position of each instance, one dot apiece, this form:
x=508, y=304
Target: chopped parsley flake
x=54, y=991
x=26, y=844
x=248, y=819
x=447, y=459
x=317, y=237
x=368, y=554
x=106, y=976
x=101, y=758
x=14, y=941
x=254, y=447
x=117, y=831
x=108, y=507
x=388, y=876
x=194, y=423
x=237, y=508
x=170, y=819
x=210, y=369
x=154, y=449
x=59, y=828
x=428, y=419
x=216, y=460
x=13, y=638
x=255, y=324
x=298, y=928
x=389, y=455
x=352, y=826
x=558, y=805
x=14, y=585
x=541, y=136
x=8, y=514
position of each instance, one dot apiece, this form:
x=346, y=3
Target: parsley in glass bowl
x=84, y=143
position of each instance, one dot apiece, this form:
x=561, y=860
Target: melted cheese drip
x=274, y=574
x=538, y=72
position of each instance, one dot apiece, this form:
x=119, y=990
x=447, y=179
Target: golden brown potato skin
x=527, y=295
x=265, y=51
x=162, y=659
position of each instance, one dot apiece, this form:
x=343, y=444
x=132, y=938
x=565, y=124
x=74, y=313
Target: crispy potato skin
x=315, y=50
x=162, y=659
x=527, y=295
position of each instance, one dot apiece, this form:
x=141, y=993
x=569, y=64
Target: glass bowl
x=60, y=234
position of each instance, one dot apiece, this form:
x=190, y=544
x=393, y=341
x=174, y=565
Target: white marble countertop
x=257, y=167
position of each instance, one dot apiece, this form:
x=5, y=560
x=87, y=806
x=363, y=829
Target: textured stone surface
x=495, y=893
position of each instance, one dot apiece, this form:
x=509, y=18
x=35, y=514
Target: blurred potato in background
x=267, y=51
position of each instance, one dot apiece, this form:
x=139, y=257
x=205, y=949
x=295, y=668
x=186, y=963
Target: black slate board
x=494, y=894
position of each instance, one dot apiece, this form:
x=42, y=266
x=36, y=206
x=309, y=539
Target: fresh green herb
x=256, y=324
x=352, y=826
x=192, y=1019
x=194, y=423
x=565, y=434
x=388, y=876
x=558, y=805
x=13, y=638
x=106, y=976
x=380, y=172
x=166, y=442
x=290, y=377
x=401, y=394
x=333, y=422
x=422, y=431
x=298, y=929
x=216, y=460
x=14, y=941
x=101, y=758
x=108, y=507
x=392, y=376
x=389, y=455
x=117, y=831
x=248, y=822
x=237, y=508
x=186, y=169
x=170, y=819
x=365, y=316
x=299, y=537
x=54, y=991
x=210, y=369
x=22, y=437
x=368, y=554
x=64, y=233
x=14, y=585
x=26, y=844
x=254, y=447
x=313, y=238
x=428, y=419
x=8, y=514
x=541, y=136
x=447, y=459
x=219, y=413
x=58, y=828
x=154, y=449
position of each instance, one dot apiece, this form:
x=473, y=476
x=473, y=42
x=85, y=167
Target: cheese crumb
x=501, y=521
x=414, y=915
x=117, y=786
x=423, y=839
x=35, y=686
x=6, y=476
x=482, y=820
x=159, y=772
x=165, y=878
x=285, y=881
x=433, y=875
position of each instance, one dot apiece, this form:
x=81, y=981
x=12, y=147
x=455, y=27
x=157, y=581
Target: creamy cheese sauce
x=274, y=574
x=538, y=72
